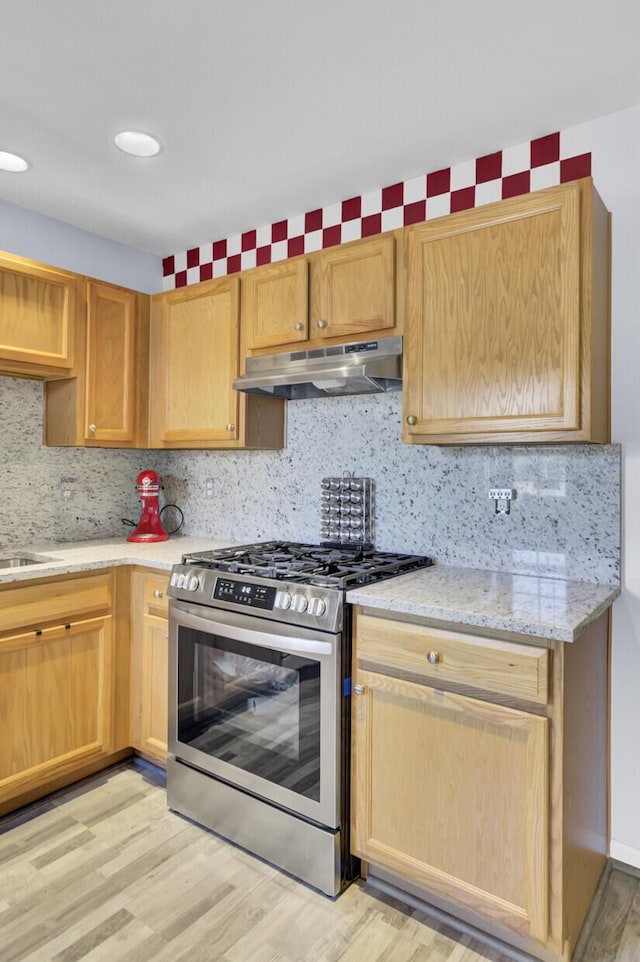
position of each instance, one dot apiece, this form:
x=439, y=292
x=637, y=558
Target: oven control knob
x=317, y=606
x=299, y=603
x=283, y=600
x=182, y=581
x=194, y=583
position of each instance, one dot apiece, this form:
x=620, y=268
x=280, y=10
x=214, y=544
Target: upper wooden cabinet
x=507, y=322
x=339, y=294
x=275, y=304
x=193, y=360
x=106, y=404
x=353, y=289
x=37, y=318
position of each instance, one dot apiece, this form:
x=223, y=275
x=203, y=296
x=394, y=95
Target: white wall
x=616, y=173
x=50, y=241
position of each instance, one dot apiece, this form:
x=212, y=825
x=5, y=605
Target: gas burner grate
x=322, y=565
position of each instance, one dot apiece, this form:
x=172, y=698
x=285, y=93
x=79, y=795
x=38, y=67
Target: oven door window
x=255, y=708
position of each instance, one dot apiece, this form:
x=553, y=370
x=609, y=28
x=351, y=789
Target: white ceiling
x=269, y=109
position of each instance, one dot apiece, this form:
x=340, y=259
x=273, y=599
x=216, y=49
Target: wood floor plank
x=629, y=945
x=612, y=918
x=103, y=872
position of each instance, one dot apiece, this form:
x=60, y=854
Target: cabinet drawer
x=155, y=591
x=436, y=655
x=52, y=600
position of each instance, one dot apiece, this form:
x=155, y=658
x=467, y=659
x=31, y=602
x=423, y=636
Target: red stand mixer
x=149, y=526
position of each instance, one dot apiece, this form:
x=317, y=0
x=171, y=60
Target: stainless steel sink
x=21, y=560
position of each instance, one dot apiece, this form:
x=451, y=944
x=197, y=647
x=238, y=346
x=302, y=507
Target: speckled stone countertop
x=498, y=601
x=86, y=555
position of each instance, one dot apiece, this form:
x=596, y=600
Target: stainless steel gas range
x=259, y=698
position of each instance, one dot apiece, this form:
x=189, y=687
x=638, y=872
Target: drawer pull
x=157, y=593
x=434, y=657
x=359, y=689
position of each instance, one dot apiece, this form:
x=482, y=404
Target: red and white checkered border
x=544, y=162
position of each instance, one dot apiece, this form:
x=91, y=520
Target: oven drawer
x=437, y=655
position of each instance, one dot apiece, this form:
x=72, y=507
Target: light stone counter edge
x=497, y=601
x=90, y=555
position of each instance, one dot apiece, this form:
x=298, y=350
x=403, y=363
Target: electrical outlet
x=502, y=498
x=67, y=488
x=208, y=488
x=501, y=494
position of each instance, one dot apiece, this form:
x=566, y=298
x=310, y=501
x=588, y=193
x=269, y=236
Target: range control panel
x=244, y=593
x=304, y=605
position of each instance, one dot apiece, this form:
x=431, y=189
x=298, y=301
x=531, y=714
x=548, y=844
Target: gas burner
x=328, y=566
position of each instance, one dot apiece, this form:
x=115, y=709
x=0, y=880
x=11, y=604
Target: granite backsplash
x=565, y=521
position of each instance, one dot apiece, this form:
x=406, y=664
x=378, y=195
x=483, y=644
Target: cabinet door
x=37, y=316
x=452, y=794
x=155, y=693
x=56, y=702
x=111, y=370
x=194, y=358
x=493, y=321
x=149, y=664
x=275, y=304
x=353, y=289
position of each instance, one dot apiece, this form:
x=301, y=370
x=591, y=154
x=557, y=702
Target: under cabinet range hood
x=363, y=367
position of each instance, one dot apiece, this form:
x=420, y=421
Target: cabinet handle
x=93, y=428
x=434, y=657
x=231, y=427
x=359, y=689
x=298, y=326
x=412, y=419
x=157, y=593
x=322, y=324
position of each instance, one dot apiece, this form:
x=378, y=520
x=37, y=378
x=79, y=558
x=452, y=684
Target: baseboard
x=624, y=853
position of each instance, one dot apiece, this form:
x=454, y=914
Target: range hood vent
x=364, y=367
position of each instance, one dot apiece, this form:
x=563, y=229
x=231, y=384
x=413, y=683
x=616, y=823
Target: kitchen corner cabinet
x=507, y=322
x=106, y=404
x=194, y=358
x=479, y=774
x=334, y=295
x=59, y=684
x=150, y=665
x=37, y=318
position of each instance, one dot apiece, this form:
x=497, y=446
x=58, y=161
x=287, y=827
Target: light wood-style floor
x=102, y=871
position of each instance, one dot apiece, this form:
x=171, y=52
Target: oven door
x=256, y=703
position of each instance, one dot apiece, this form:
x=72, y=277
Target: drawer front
x=48, y=602
x=155, y=591
x=437, y=655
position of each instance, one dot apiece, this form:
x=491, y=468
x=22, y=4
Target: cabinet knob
x=231, y=427
x=299, y=326
x=434, y=657
x=322, y=324
x=412, y=419
x=359, y=689
x=93, y=428
x=157, y=593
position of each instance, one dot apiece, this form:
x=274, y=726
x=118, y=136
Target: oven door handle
x=231, y=626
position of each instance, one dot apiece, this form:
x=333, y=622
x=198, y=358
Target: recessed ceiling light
x=13, y=162
x=137, y=144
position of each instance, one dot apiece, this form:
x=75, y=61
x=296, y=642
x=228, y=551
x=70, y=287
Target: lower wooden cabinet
x=149, y=665
x=59, y=684
x=472, y=796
